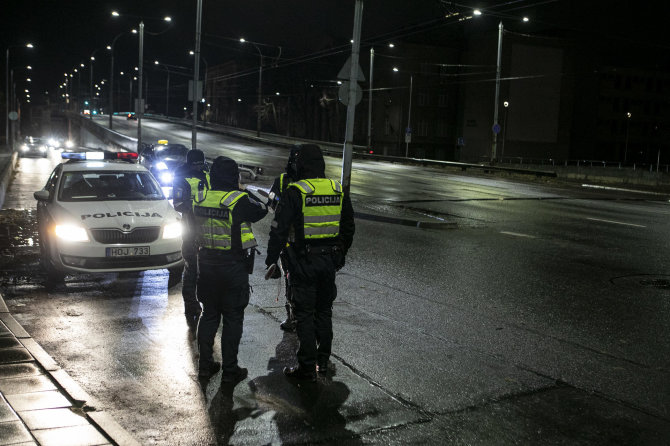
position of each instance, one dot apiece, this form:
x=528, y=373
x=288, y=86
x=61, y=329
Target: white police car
x=102, y=212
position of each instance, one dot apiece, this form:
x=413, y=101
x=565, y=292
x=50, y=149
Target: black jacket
x=247, y=209
x=289, y=213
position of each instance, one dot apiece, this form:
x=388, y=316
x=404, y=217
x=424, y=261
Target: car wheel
x=175, y=276
x=54, y=276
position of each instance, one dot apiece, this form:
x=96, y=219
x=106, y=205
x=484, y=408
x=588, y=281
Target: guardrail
x=329, y=148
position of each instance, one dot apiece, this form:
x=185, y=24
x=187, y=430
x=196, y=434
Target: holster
x=249, y=259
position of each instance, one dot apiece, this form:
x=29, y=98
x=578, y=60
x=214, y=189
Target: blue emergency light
x=103, y=155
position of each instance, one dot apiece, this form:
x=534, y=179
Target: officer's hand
x=272, y=272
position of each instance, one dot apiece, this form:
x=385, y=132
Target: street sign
x=496, y=128
x=345, y=72
x=460, y=141
x=13, y=116
x=343, y=93
x=408, y=135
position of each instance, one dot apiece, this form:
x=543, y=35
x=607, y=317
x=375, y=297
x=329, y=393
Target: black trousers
x=189, y=277
x=313, y=292
x=223, y=289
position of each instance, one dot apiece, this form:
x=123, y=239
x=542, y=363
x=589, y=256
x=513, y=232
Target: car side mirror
x=41, y=195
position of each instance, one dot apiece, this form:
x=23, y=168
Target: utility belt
x=208, y=255
x=305, y=250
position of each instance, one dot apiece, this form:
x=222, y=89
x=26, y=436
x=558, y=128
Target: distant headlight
x=166, y=177
x=53, y=143
x=172, y=230
x=71, y=233
x=69, y=144
x=161, y=165
x=24, y=147
x=43, y=149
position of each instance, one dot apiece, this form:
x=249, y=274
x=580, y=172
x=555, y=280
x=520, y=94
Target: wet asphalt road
x=541, y=319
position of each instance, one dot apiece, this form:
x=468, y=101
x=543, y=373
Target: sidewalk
x=39, y=403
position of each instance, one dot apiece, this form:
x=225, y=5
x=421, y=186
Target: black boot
x=300, y=373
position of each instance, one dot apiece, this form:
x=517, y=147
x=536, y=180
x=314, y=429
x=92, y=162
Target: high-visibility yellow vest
x=198, y=194
x=214, y=221
x=321, y=207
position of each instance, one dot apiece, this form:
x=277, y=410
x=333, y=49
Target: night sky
x=66, y=32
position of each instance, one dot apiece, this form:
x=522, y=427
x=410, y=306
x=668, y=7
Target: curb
x=6, y=175
x=98, y=418
x=405, y=221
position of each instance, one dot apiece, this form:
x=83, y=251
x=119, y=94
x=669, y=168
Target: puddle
x=19, y=246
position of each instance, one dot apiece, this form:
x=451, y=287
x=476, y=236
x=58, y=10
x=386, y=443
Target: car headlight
x=161, y=165
x=166, y=177
x=71, y=233
x=53, y=143
x=69, y=144
x=43, y=149
x=172, y=230
x=24, y=147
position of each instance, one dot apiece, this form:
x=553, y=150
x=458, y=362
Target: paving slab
x=85, y=435
x=20, y=369
x=25, y=384
x=13, y=432
x=52, y=418
x=34, y=401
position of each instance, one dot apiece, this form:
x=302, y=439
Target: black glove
x=339, y=260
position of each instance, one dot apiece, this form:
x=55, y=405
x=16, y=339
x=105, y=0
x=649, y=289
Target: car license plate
x=128, y=252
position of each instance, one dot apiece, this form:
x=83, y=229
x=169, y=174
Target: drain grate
x=657, y=281
x=663, y=284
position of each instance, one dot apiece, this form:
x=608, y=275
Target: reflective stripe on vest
x=214, y=220
x=194, y=183
x=321, y=207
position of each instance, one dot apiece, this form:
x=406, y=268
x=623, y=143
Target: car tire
x=175, y=276
x=54, y=276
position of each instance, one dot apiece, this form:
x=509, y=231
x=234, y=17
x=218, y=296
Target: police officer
x=276, y=191
x=190, y=180
x=224, y=237
x=317, y=219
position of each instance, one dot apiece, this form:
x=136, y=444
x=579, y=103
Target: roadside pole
x=351, y=106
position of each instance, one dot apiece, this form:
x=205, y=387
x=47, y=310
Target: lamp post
x=167, y=88
x=372, y=61
x=111, y=77
x=27, y=45
x=625, y=152
x=502, y=149
x=139, y=113
x=196, y=74
x=260, y=83
x=91, y=97
x=204, y=84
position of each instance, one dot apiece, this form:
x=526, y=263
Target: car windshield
x=108, y=186
x=172, y=151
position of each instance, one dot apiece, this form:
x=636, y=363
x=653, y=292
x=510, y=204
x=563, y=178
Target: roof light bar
x=104, y=155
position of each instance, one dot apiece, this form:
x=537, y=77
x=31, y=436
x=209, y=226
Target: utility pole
x=351, y=105
x=140, y=101
x=409, y=115
x=196, y=74
x=372, y=62
x=496, y=126
x=260, y=94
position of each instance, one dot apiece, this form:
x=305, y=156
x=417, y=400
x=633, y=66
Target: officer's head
x=224, y=174
x=309, y=162
x=195, y=156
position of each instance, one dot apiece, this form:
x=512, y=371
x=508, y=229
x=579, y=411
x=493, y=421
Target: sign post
x=354, y=74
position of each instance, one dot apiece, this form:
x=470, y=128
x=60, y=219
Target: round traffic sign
x=496, y=128
x=343, y=93
x=13, y=116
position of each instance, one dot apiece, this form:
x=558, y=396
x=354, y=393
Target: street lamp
x=260, y=82
x=204, y=83
x=502, y=150
x=140, y=69
x=111, y=72
x=27, y=45
x=625, y=153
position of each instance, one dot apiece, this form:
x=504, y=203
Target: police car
x=103, y=212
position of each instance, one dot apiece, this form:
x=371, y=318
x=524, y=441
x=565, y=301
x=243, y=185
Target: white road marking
x=596, y=186
x=616, y=222
x=516, y=234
